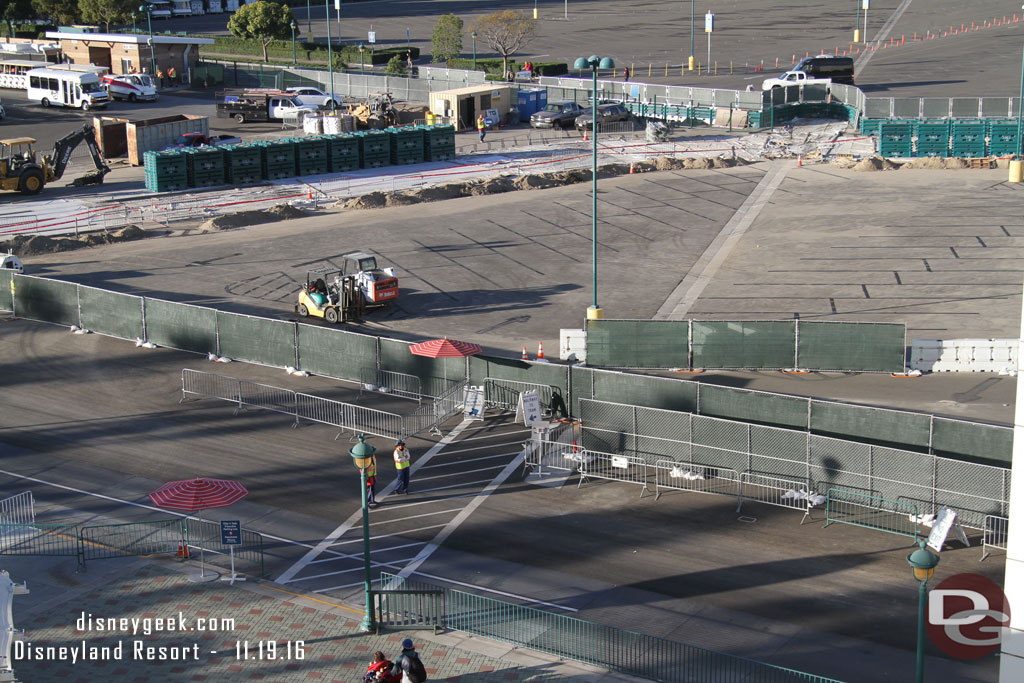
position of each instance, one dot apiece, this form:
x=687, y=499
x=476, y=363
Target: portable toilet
x=527, y=103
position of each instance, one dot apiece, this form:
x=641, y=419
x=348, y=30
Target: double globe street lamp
x=362, y=457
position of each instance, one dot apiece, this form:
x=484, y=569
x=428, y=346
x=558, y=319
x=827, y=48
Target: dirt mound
x=955, y=162
x=373, y=200
x=441, y=192
x=535, y=182
x=287, y=211
x=238, y=220
x=875, y=164
x=726, y=162
x=492, y=186
x=669, y=163
x=29, y=245
x=926, y=162
x=698, y=162
x=403, y=198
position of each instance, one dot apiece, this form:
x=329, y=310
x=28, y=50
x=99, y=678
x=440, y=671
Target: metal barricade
x=504, y=393
x=267, y=397
x=205, y=534
x=18, y=509
x=389, y=382
x=409, y=609
x=787, y=493
x=134, y=539
x=50, y=540
x=595, y=465
x=210, y=385
x=367, y=420
x=698, y=478
x=432, y=415
x=996, y=532
x=559, y=453
x=871, y=512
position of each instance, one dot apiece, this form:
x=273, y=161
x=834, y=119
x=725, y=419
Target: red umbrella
x=445, y=348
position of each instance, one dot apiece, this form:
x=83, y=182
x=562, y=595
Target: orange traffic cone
x=525, y=357
x=799, y=159
x=584, y=135
x=632, y=169
x=540, y=351
x=183, y=550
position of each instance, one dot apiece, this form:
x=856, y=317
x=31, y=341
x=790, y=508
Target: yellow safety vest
x=401, y=458
x=371, y=471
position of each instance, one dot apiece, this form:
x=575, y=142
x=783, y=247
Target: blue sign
x=231, y=532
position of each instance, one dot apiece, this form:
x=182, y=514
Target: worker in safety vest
x=481, y=126
x=172, y=75
x=402, y=464
x=371, y=482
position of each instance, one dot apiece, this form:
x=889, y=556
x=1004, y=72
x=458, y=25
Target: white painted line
x=374, y=538
x=399, y=506
x=453, y=486
x=463, y=462
x=355, y=517
x=345, y=556
x=402, y=519
x=518, y=444
x=449, y=476
x=491, y=436
x=357, y=568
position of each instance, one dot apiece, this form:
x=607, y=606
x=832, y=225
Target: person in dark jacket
x=401, y=666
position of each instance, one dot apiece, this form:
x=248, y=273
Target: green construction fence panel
x=767, y=344
x=51, y=301
x=181, y=326
x=256, y=340
x=111, y=313
x=751, y=406
x=852, y=347
x=990, y=444
x=335, y=353
x=525, y=371
x=582, y=381
x=637, y=343
x=890, y=428
x=6, y=298
x=435, y=373
x=644, y=390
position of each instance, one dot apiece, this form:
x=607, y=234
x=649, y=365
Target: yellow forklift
x=332, y=296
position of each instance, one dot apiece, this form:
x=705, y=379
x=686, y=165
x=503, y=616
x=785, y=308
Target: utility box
x=149, y=135
x=572, y=345
x=463, y=105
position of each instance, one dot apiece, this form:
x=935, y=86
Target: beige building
x=131, y=53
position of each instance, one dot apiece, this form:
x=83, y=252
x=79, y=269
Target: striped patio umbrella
x=445, y=348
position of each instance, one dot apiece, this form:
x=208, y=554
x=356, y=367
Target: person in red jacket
x=379, y=670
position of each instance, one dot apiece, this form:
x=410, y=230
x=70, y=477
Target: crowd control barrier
x=996, y=532
x=670, y=475
x=872, y=512
x=787, y=493
x=18, y=509
x=392, y=383
x=595, y=465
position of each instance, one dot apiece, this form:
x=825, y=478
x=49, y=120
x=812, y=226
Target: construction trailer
x=462, y=105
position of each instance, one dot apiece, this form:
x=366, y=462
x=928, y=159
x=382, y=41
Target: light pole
x=148, y=9
x=856, y=31
x=692, y=62
x=473, y=35
x=534, y=9
x=362, y=457
x=330, y=55
x=362, y=50
x=923, y=563
x=293, y=43
x=595, y=63
x=134, y=27
x=309, y=21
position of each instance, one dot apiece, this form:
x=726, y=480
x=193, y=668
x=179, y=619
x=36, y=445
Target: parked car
x=606, y=113
x=131, y=87
x=198, y=140
x=793, y=78
x=315, y=96
x=3, y=113
x=560, y=114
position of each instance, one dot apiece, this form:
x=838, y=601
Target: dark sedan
x=606, y=113
x=560, y=114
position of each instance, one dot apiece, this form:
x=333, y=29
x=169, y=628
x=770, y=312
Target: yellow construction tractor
x=21, y=170
x=332, y=296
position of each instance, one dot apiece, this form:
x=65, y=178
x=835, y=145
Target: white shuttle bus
x=66, y=87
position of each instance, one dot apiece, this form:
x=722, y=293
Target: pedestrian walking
x=371, y=482
x=625, y=73
x=402, y=464
x=408, y=58
x=481, y=126
x=409, y=665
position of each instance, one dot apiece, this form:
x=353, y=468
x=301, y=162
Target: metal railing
x=787, y=493
x=872, y=512
x=51, y=540
x=675, y=476
x=617, y=649
x=995, y=535
x=18, y=509
x=596, y=465
x=389, y=382
x=559, y=452
x=134, y=539
x=409, y=609
x=205, y=534
x=430, y=416
x=504, y=393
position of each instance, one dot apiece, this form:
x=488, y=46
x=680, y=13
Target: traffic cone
x=540, y=351
x=183, y=549
x=632, y=169
x=799, y=159
x=525, y=357
x=584, y=135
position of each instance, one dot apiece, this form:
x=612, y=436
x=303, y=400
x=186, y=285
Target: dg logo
x=965, y=615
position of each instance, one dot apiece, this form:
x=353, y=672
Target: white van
x=131, y=87
x=11, y=262
x=66, y=87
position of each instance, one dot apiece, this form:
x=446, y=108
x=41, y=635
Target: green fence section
x=50, y=300
x=482, y=367
x=111, y=313
x=134, y=539
x=739, y=404
x=653, y=392
x=181, y=326
x=627, y=652
x=6, y=298
x=862, y=347
x=638, y=343
x=870, y=425
x=51, y=540
x=258, y=340
x=248, y=553
x=434, y=373
x=870, y=511
x=334, y=353
x=954, y=438
x=581, y=382
x=743, y=344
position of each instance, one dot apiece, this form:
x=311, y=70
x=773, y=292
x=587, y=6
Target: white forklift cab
x=11, y=262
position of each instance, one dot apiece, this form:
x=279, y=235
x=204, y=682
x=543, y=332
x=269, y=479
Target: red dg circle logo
x=965, y=613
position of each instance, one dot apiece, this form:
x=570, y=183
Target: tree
x=396, y=66
x=446, y=43
x=507, y=32
x=262, y=20
x=59, y=12
x=15, y=11
x=106, y=12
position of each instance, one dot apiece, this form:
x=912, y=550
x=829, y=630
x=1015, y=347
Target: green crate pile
x=439, y=142
x=932, y=138
x=406, y=145
x=342, y=152
x=165, y=171
x=1003, y=137
x=968, y=138
x=311, y=155
x=870, y=126
x=205, y=166
x=243, y=164
x=277, y=159
x=895, y=139
x=374, y=148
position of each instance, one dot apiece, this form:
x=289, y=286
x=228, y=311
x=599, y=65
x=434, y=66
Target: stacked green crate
x=165, y=171
x=968, y=138
x=243, y=164
x=438, y=142
x=1002, y=136
x=406, y=145
x=277, y=158
x=311, y=155
x=374, y=148
x=870, y=126
x=932, y=138
x=205, y=166
x=342, y=152
x=895, y=139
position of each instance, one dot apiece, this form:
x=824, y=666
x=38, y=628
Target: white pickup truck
x=792, y=78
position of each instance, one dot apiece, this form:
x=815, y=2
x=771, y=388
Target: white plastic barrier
x=963, y=355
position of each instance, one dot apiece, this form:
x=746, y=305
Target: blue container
x=531, y=100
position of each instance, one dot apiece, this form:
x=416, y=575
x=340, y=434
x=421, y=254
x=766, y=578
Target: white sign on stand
x=371, y=36
x=944, y=522
x=473, y=403
x=529, y=407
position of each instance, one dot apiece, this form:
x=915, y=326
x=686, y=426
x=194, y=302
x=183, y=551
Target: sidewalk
x=316, y=640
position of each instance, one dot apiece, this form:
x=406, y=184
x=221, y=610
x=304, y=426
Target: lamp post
x=293, y=43
x=362, y=50
x=923, y=563
x=534, y=9
x=309, y=21
x=595, y=63
x=473, y=35
x=330, y=55
x=856, y=31
x=692, y=60
x=134, y=27
x=148, y=9
x=362, y=457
